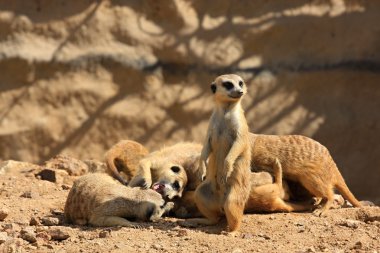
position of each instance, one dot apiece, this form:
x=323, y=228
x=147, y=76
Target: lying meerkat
x=272, y=197
x=304, y=161
x=166, y=171
x=266, y=195
x=124, y=157
x=99, y=200
x=227, y=184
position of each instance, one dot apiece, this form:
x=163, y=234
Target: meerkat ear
x=213, y=87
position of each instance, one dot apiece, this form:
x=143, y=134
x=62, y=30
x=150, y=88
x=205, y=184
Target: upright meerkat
x=166, y=171
x=99, y=200
x=124, y=157
x=227, y=184
x=303, y=160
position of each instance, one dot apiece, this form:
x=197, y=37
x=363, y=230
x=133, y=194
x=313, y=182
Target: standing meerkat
x=227, y=148
x=124, y=157
x=99, y=200
x=303, y=160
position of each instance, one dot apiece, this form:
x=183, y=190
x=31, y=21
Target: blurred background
x=78, y=76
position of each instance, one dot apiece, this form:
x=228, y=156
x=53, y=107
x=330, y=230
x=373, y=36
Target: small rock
x=56, y=212
x=48, y=246
x=30, y=195
x=182, y=232
x=72, y=166
x=4, y=237
x=3, y=213
x=350, y=223
x=28, y=234
x=66, y=187
x=157, y=246
x=247, y=236
x=266, y=237
x=48, y=175
x=310, y=249
x=43, y=235
x=58, y=234
x=34, y=221
x=50, y=221
x=358, y=245
x=95, y=166
x=104, y=233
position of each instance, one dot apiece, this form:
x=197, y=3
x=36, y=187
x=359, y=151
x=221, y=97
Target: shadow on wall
x=314, y=58
x=324, y=73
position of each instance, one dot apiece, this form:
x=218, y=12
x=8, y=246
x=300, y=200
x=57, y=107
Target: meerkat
x=271, y=197
x=166, y=171
x=124, y=157
x=98, y=199
x=227, y=148
x=304, y=161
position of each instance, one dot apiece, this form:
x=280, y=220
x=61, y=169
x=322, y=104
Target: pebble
x=104, y=233
x=3, y=213
x=350, y=223
x=4, y=237
x=34, y=221
x=28, y=234
x=157, y=246
x=66, y=187
x=30, y=195
x=58, y=234
x=50, y=221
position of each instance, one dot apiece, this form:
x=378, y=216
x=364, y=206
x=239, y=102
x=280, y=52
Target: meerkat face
x=228, y=88
x=171, y=181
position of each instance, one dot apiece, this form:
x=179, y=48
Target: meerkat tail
x=342, y=187
x=114, y=171
x=278, y=173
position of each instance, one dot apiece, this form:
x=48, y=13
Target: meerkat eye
x=175, y=169
x=228, y=85
x=241, y=84
x=176, y=185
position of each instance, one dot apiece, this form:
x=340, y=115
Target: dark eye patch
x=175, y=169
x=228, y=85
x=241, y=84
x=176, y=185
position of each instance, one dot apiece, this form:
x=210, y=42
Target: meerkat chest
x=225, y=130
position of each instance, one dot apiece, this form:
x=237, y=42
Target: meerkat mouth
x=158, y=187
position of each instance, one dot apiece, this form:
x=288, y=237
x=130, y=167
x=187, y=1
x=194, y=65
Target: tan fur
x=272, y=197
x=169, y=167
x=124, y=157
x=265, y=196
x=303, y=160
x=227, y=148
x=99, y=200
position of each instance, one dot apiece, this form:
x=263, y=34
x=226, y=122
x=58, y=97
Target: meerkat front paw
x=138, y=181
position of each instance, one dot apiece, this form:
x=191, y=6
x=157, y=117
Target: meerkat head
x=171, y=181
x=228, y=88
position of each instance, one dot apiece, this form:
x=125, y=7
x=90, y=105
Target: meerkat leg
x=111, y=221
x=234, y=212
x=143, y=178
x=162, y=210
x=326, y=204
x=285, y=206
x=208, y=204
x=318, y=188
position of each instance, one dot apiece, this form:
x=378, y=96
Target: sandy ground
x=33, y=211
